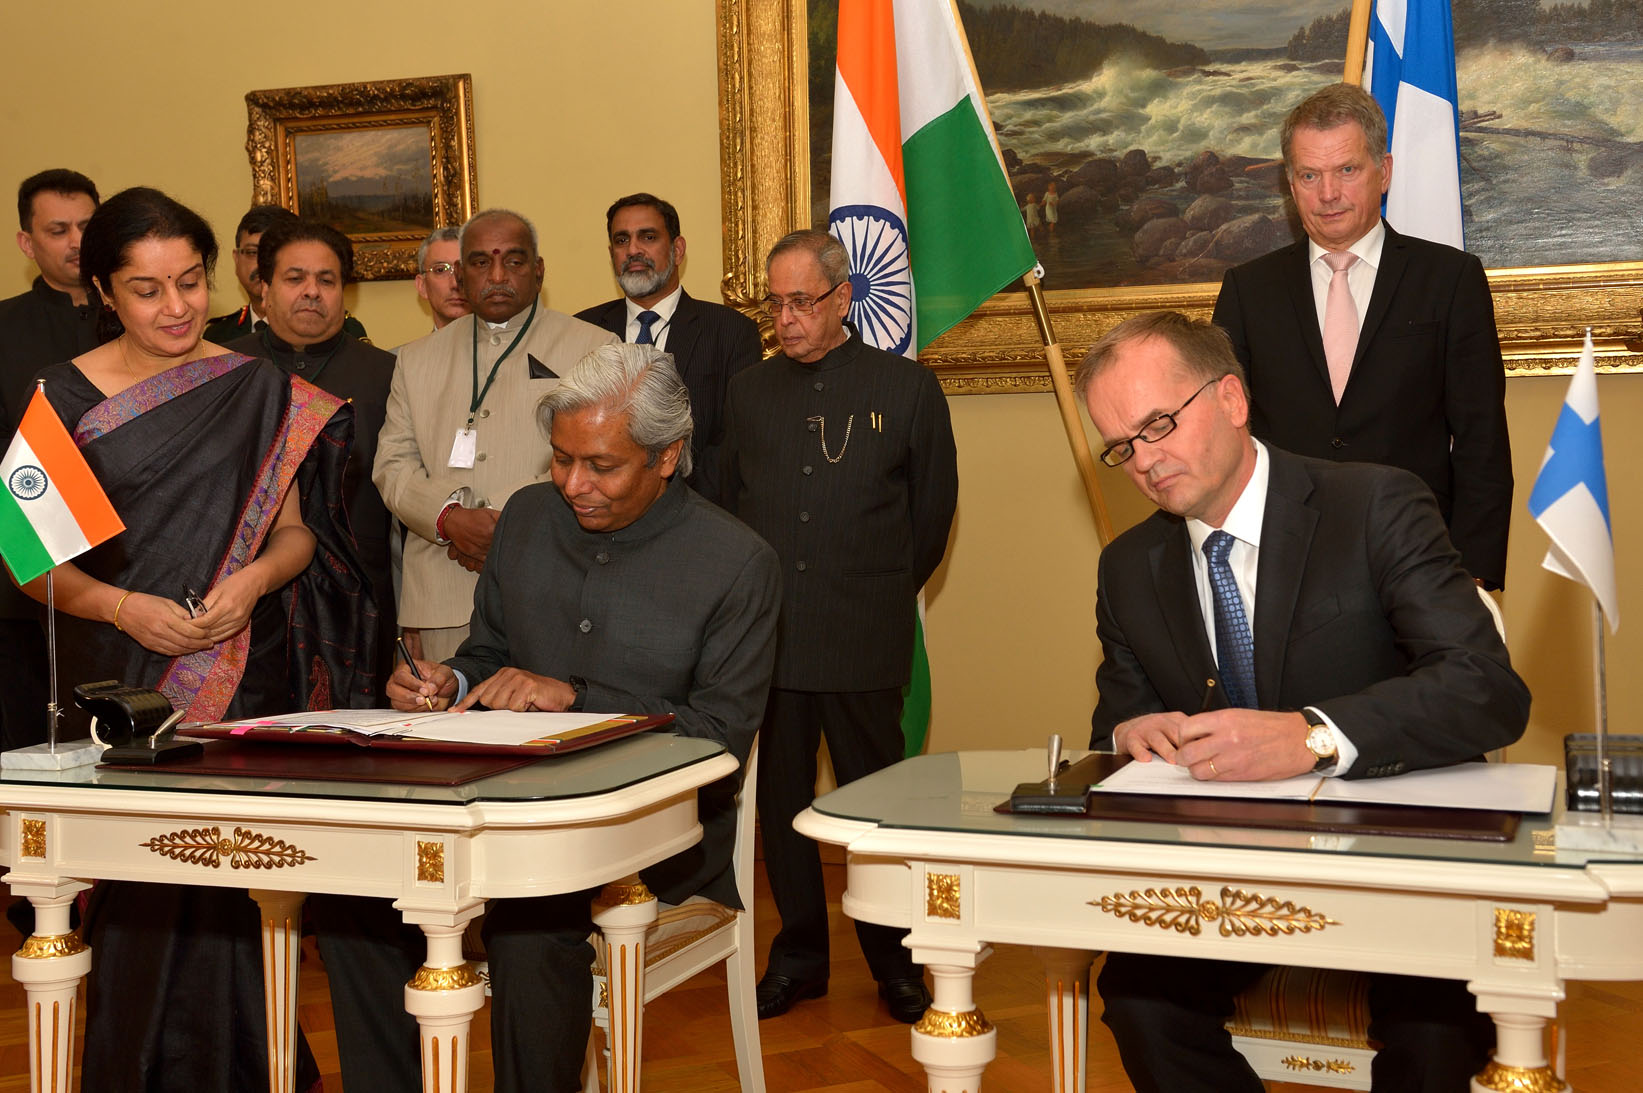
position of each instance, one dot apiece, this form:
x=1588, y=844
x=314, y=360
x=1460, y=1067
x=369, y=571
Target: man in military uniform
x=841, y=456
x=237, y=324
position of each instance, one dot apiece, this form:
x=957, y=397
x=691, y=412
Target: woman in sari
x=227, y=474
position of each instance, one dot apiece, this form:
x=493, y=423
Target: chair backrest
x=741, y=856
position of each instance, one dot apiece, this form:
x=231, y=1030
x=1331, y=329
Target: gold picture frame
x=764, y=131
x=370, y=143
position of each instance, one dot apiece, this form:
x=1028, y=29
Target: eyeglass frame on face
x=442, y=269
x=773, y=306
x=1149, y=434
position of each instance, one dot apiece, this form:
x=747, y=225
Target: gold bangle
x=117, y=607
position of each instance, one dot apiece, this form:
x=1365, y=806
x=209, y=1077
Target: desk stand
x=67, y=755
x=50, y=965
x=443, y=996
x=624, y=912
x=953, y=1041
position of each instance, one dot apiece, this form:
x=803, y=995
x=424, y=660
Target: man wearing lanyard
x=460, y=434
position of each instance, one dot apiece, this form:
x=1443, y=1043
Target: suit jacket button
x=1337, y=442
x=820, y=385
x=811, y=426
x=480, y=457
x=485, y=413
x=800, y=566
x=806, y=468
x=804, y=517
x=602, y=557
x=585, y=625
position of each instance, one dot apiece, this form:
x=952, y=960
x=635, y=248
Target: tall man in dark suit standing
x=1363, y=344
x=710, y=343
x=1328, y=602
x=48, y=324
x=841, y=456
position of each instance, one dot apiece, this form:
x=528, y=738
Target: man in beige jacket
x=461, y=432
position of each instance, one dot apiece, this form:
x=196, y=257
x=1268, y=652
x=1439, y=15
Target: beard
x=644, y=282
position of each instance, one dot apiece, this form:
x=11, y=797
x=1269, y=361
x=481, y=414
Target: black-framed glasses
x=441, y=269
x=1116, y=455
x=798, y=305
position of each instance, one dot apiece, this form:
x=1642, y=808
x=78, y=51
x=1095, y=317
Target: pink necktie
x=1340, y=322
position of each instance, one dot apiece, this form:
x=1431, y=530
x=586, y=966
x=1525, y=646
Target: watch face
x=1320, y=741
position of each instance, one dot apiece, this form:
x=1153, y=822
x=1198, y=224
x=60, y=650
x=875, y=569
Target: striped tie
x=1235, y=649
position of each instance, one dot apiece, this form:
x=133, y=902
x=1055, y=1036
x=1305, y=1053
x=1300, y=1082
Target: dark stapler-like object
x=135, y=724
x=1063, y=791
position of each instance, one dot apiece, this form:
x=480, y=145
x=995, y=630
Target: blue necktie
x=646, y=318
x=1234, y=647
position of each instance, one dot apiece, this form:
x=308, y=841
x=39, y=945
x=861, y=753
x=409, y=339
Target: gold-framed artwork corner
x=352, y=155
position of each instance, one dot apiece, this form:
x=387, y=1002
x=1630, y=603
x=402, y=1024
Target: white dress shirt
x=665, y=307
x=1360, y=278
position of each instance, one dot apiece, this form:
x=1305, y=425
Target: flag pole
x=1604, y=762
x=52, y=713
x=1069, y=408
x=1357, y=41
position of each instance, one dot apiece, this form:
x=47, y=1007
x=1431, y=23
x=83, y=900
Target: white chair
x=693, y=937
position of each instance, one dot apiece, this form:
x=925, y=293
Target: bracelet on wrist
x=439, y=523
x=117, y=607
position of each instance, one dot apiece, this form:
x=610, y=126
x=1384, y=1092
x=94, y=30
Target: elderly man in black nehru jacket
x=1368, y=345
x=303, y=266
x=841, y=455
x=613, y=587
x=48, y=324
x=1328, y=603
x=709, y=342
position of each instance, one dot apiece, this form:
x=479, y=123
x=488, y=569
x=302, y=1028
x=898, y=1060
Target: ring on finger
x=1212, y=769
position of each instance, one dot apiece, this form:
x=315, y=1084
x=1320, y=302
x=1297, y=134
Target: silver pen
x=1055, y=761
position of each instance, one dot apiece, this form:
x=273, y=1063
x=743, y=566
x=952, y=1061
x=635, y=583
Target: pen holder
x=1625, y=753
x=134, y=724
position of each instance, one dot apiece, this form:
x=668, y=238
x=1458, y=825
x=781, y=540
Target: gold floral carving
x=1237, y=914
x=37, y=947
x=1332, y=1066
x=34, y=839
x=246, y=849
x=1514, y=933
x=623, y=895
x=764, y=162
x=445, y=979
x=953, y=1026
x=430, y=862
x=1520, y=1079
x=941, y=895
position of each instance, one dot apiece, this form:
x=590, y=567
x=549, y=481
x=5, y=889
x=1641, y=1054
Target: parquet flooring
x=846, y=1043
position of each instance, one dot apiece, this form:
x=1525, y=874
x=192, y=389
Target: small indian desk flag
x=52, y=508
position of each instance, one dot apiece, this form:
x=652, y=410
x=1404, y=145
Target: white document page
x=470, y=727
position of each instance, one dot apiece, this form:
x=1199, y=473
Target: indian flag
x=919, y=196
x=52, y=508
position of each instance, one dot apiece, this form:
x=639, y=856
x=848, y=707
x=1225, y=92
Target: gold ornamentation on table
x=1238, y=914
x=430, y=862
x=1545, y=840
x=953, y=1026
x=38, y=947
x=1520, y=1079
x=246, y=849
x=445, y=979
x=34, y=839
x=1514, y=933
x=1332, y=1066
x=623, y=895
x=941, y=895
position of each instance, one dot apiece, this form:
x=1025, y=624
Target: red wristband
x=439, y=523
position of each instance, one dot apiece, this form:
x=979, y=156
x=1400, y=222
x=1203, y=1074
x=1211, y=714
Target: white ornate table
x=926, y=851
x=577, y=821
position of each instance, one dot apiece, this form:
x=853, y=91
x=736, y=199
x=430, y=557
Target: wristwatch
x=1320, y=740
x=580, y=686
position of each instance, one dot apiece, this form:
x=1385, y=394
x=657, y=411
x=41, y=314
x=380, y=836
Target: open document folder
x=1494, y=787
x=470, y=731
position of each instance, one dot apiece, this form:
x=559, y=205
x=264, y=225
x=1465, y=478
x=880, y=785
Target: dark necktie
x=1234, y=647
x=646, y=318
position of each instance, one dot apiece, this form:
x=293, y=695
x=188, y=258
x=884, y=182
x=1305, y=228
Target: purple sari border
x=139, y=398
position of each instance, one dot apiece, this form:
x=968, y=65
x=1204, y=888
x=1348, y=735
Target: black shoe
x=907, y=999
x=777, y=993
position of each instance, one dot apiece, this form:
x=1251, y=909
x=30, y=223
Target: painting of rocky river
x=1153, y=128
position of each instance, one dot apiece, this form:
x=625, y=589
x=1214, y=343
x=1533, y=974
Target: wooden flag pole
x=1357, y=41
x=1069, y=409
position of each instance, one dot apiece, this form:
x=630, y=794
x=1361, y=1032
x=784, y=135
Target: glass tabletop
x=592, y=771
x=958, y=792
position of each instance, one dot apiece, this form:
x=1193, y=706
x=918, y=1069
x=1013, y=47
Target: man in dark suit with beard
x=710, y=343
x=1391, y=358
x=1329, y=605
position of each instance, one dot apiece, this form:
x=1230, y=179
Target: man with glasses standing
x=841, y=456
x=439, y=276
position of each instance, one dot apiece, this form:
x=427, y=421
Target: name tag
x=462, y=449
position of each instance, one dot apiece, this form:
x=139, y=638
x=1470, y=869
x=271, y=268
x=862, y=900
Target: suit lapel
x=1171, y=562
x=1286, y=537
x=1305, y=304
x=682, y=333
x=1394, y=261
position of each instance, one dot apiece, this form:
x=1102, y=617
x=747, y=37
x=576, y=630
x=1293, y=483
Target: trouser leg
x=787, y=785
x=541, y=990
x=1168, y=1016
x=370, y=954
x=1432, y=1037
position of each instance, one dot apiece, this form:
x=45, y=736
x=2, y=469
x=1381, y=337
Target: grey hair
x=1328, y=107
x=828, y=252
x=451, y=234
x=637, y=380
x=494, y=214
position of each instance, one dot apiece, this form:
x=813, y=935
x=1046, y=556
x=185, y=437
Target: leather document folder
x=328, y=763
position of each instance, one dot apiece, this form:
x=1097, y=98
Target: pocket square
x=540, y=371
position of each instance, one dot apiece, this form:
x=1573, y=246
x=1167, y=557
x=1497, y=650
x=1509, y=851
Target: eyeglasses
x=441, y=269
x=798, y=305
x=246, y=252
x=1116, y=455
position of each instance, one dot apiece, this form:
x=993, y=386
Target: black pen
x=1209, y=690
x=411, y=664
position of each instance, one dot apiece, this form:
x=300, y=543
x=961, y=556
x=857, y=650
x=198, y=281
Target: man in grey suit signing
x=1329, y=605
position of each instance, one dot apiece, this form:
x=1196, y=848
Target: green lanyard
x=480, y=393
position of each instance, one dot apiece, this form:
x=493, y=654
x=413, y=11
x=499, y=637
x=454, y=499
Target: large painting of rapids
x=1153, y=127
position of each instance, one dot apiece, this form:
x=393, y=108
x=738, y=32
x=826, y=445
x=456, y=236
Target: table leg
x=281, y=952
x=50, y=965
x=1520, y=1063
x=1067, y=998
x=443, y=996
x=953, y=1040
x=624, y=912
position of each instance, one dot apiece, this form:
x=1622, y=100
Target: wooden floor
x=847, y=1043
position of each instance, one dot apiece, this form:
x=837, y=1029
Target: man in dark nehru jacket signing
x=303, y=266
x=709, y=342
x=48, y=324
x=841, y=455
